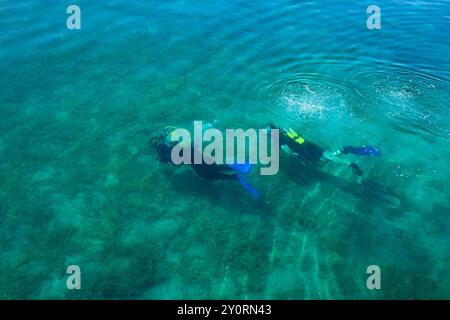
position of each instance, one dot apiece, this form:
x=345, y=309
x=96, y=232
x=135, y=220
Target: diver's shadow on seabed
x=228, y=194
x=368, y=190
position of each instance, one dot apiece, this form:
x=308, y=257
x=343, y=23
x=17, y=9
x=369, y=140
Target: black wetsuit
x=164, y=152
x=207, y=171
x=211, y=171
x=214, y=171
x=306, y=151
x=309, y=151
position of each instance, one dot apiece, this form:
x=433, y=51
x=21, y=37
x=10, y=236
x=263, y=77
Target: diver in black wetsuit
x=294, y=145
x=305, y=150
x=208, y=171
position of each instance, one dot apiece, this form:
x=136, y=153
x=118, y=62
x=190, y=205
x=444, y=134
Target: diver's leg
x=214, y=171
x=224, y=176
x=336, y=157
x=224, y=172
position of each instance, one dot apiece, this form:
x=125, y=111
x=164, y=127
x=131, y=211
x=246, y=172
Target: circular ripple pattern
x=412, y=100
x=312, y=102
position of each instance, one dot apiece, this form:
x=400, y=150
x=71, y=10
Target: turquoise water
x=80, y=185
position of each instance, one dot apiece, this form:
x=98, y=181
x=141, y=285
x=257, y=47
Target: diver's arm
x=288, y=151
x=283, y=146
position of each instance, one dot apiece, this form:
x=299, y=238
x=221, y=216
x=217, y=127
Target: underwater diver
x=164, y=145
x=294, y=145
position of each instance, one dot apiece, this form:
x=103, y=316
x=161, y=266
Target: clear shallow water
x=79, y=184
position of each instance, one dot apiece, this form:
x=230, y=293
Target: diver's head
x=163, y=145
x=156, y=141
x=163, y=138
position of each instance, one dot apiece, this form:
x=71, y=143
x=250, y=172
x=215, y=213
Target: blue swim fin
x=241, y=168
x=248, y=187
x=362, y=151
